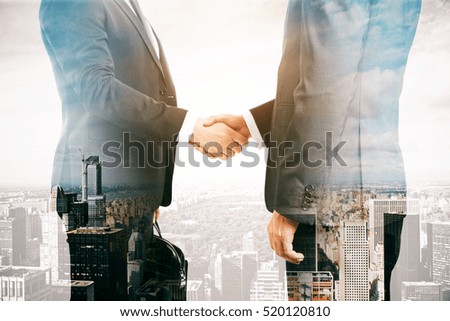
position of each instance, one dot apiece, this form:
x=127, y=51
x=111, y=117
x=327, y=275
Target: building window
x=12, y=288
x=19, y=289
x=4, y=288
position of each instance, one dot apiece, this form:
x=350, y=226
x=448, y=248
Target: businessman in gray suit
x=119, y=101
x=333, y=128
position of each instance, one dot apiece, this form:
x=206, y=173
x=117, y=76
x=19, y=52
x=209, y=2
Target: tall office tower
x=248, y=242
x=25, y=284
x=195, y=290
x=58, y=201
x=19, y=226
x=135, y=263
x=238, y=270
x=74, y=213
x=438, y=234
x=33, y=252
x=249, y=266
x=136, y=247
x=218, y=276
x=212, y=264
x=231, y=278
x=354, y=261
x=33, y=239
x=4, y=260
x=267, y=285
x=207, y=286
x=78, y=215
x=54, y=250
x=6, y=241
x=99, y=255
x=377, y=264
x=310, y=286
x=377, y=209
x=92, y=191
x=407, y=268
x=97, y=210
x=34, y=227
x=421, y=291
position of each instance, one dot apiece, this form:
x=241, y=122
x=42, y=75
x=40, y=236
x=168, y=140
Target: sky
x=224, y=57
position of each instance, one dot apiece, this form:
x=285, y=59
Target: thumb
x=215, y=119
x=210, y=121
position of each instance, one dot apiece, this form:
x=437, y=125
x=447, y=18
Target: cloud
x=380, y=90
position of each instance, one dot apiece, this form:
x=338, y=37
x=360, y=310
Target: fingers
x=219, y=140
x=281, y=235
x=212, y=154
x=235, y=147
x=236, y=137
x=235, y=122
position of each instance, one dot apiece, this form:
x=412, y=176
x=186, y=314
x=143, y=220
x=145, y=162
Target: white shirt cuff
x=253, y=128
x=187, y=128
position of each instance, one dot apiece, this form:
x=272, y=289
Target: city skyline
x=235, y=246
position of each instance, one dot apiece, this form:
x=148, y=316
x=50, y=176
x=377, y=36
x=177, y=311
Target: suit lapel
x=143, y=33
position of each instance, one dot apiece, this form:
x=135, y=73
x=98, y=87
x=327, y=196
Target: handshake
x=220, y=136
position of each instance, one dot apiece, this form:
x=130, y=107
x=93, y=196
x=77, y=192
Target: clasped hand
x=220, y=136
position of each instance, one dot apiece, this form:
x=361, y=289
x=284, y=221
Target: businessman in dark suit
x=332, y=127
x=118, y=99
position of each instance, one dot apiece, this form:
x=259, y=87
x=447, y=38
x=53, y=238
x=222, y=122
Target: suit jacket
x=334, y=121
x=115, y=91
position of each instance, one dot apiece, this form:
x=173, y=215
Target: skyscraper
x=33, y=239
x=99, y=255
x=92, y=191
x=248, y=242
x=267, y=285
x=135, y=263
x=6, y=241
x=377, y=209
x=438, y=234
x=238, y=270
x=54, y=250
x=408, y=264
x=421, y=291
x=231, y=278
x=249, y=266
x=19, y=230
x=354, y=261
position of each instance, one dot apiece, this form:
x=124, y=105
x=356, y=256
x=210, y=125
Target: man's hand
x=236, y=122
x=217, y=140
x=281, y=235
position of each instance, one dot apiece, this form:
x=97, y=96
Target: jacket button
x=162, y=92
x=306, y=206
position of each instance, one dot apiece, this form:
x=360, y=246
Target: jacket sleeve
x=263, y=119
x=75, y=36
